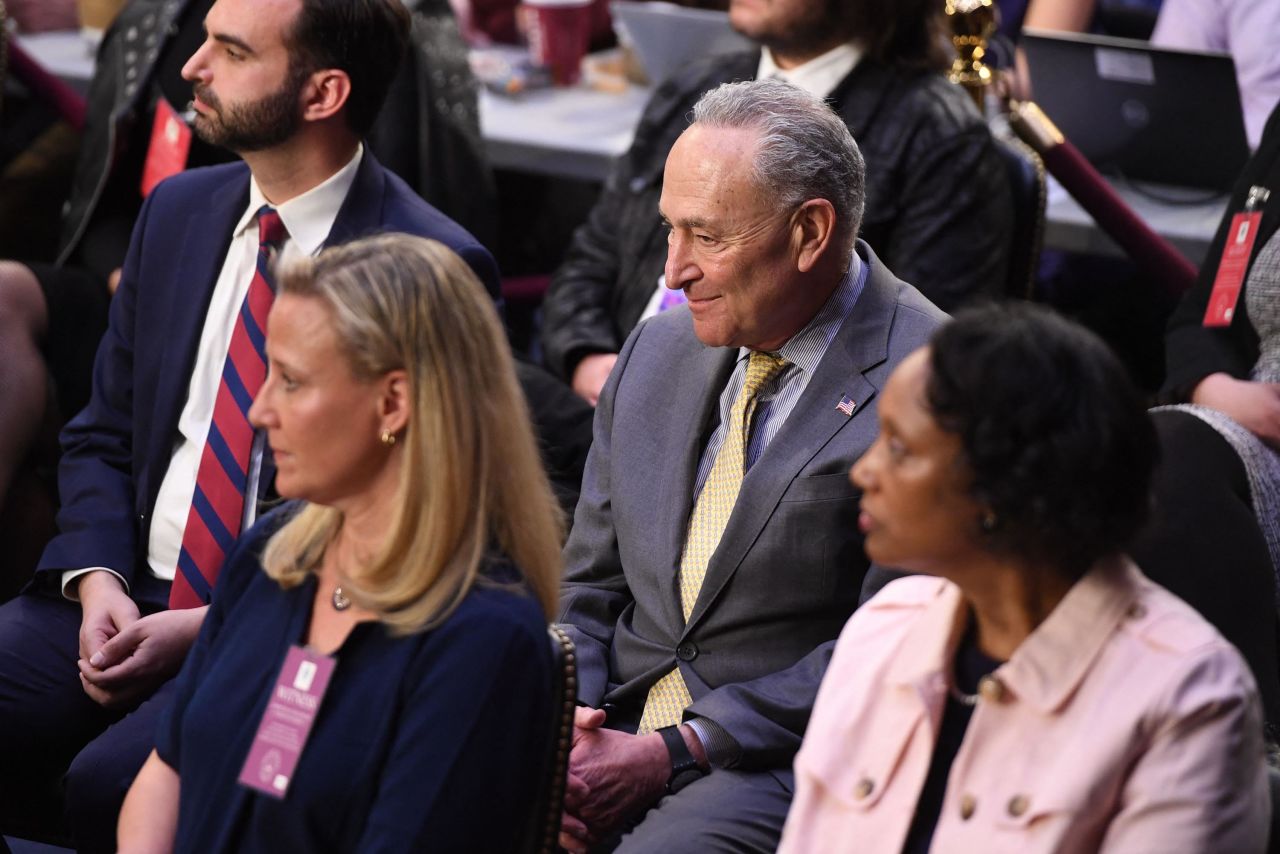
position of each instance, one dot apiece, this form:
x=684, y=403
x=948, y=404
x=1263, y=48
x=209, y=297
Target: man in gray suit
x=715, y=553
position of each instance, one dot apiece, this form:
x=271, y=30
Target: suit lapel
x=861, y=344
x=361, y=211
x=697, y=395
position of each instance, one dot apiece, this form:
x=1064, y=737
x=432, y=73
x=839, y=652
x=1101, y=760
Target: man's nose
x=680, y=268
x=193, y=70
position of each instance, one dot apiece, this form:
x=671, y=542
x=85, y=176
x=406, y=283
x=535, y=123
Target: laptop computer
x=667, y=37
x=1151, y=114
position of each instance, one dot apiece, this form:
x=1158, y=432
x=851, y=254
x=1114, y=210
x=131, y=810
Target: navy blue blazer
x=116, y=451
x=432, y=741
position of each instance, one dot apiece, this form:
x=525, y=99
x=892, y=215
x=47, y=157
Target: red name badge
x=170, y=145
x=286, y=724
x=1231, y=269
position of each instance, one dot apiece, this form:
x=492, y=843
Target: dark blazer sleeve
x=578, y=316
x=595, y=592
x=577, y=311
x=1192, y=352
x=96, y=522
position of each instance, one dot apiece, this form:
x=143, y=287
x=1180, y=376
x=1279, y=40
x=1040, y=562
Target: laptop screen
x=1151, y=114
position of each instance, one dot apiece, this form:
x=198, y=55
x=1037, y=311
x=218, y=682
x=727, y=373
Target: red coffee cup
x=559, y=31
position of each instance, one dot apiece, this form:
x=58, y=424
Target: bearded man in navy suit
x=291, y=86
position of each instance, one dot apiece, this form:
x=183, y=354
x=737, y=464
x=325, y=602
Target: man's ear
x=326, y=93
x=394, y=404
x=813, y=232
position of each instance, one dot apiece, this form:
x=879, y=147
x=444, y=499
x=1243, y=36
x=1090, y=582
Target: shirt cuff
x=73, y=593
x=722, y=749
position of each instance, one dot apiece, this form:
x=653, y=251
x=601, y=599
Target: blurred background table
x=569, y=133
x=69, y=54
x=578, y=132
x=1186, y=217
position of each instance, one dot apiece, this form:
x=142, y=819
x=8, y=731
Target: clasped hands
x=613, y=776
x=125, y=657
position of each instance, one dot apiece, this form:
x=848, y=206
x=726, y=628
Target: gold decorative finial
x=972, y=24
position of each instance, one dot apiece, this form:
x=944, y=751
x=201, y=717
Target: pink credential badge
x=286, y=724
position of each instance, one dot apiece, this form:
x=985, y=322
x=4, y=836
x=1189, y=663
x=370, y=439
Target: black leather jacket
x=104, y=192
x=1193, y=351
x=938, y=207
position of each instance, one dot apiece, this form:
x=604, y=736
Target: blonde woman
x=414, y=574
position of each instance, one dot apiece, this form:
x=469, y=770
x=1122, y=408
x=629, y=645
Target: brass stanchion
x=973, y=22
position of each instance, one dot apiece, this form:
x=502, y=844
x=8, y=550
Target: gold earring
x=388, y=438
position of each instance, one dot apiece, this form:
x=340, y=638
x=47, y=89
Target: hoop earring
x=388, y=438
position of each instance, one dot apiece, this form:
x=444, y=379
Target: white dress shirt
x=819, y=76
x=308, y=218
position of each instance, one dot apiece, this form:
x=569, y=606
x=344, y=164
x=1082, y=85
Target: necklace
x=340, y=600
x=959, y=696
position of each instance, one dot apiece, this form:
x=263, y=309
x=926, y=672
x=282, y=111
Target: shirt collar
x=806, y=348
x=1054, y=659
x=820, y=75
x=309, y=217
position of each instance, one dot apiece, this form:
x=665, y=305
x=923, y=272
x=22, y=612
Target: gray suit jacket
x=789, y=567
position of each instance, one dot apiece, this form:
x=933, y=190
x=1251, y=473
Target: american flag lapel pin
x=846, y=406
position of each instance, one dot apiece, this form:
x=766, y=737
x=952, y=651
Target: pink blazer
x=1124, y=723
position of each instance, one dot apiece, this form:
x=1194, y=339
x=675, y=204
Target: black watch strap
x=684, y=767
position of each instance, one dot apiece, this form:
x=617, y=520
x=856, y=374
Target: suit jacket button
x=968, y=803
x=686, y=652
x=1018, y=805
x=991, y=689
x=864, y=788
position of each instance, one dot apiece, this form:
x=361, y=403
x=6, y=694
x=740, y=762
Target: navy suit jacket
x=116, y=451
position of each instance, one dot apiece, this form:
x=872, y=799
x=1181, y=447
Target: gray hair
x=805, y=150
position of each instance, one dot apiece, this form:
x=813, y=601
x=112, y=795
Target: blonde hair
x=470, y=478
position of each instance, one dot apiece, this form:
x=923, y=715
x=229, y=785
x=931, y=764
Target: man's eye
x=897, y=450
x=705, y=239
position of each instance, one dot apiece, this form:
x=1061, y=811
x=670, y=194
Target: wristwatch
x=684, y=768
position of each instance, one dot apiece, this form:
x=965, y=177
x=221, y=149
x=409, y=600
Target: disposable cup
x=559, y=31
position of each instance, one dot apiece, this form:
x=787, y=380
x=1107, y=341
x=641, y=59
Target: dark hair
x=1056, y=437
x=365, y=38
x=902, y=33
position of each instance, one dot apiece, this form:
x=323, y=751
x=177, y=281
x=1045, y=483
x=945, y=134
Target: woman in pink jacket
x=1030, y=691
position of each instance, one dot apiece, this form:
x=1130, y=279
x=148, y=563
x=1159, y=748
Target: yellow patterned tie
x=669, y=696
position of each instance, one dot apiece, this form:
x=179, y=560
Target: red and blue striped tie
x=217, y=508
